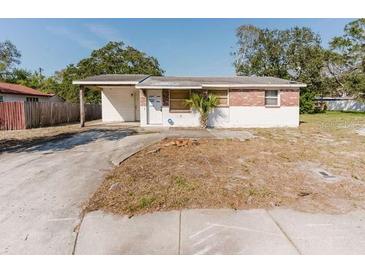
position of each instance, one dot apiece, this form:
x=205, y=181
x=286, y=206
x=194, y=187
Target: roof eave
x=168, y=87
x=105, y=83
x=26, y=94
x=254, y=85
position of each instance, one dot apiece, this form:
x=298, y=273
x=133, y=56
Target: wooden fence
x=12, y=115
x=22, y=115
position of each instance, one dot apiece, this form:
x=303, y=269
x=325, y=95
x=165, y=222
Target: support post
x=82, y=107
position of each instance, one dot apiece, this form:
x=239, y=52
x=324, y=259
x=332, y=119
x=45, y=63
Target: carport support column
x=82, y=107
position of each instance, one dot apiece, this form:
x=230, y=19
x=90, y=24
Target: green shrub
x=146, y=201
x=307, y=104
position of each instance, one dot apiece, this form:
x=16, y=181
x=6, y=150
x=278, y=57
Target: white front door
x=154, y=107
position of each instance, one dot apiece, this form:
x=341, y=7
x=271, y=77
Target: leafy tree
x=295, y=54
x=113, y=58
x=346, y=59
x=18, y=76
x=204, y=104
x=9, y=57
x=305, y=58
x=34, y=80
x=260, y=52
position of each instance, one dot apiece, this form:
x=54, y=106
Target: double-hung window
x=178, y=100
x=222, y=96
x=272, y=98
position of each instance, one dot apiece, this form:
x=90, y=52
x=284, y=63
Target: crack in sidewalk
x=284, y=233
x=179, y=244
x=77, y=230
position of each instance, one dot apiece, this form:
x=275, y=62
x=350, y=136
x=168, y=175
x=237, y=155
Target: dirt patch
x=281, y=167
x=361, y=131
x=318, y=171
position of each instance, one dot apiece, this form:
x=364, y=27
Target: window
x=1, y=99
x=222, y=96
x=271, y=98
x=32, y=99
x=178, y=100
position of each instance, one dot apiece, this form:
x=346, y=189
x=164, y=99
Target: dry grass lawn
x=318, y=167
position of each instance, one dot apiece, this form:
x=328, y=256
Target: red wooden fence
x=12, y=115
x=22, y=115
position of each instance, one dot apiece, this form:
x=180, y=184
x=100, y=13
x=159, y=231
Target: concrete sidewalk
x=223, y=231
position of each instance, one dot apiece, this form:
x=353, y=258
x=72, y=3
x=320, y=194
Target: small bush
x=184, y=184
x=180, y=181
x=320, y=107
x=146, y=201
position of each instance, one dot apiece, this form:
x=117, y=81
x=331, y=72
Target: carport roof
x=191, y=82
x=112, y=79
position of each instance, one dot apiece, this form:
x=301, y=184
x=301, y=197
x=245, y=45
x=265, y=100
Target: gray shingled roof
x=146, y=81
x=172, y=81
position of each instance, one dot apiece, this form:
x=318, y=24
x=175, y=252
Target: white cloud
x=73, y=36
x=104, y=32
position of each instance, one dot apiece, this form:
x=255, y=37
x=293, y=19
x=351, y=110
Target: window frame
x=32, y=99
x=179, y=110
x=226, y=97
x=1, y=99
x=272, y=97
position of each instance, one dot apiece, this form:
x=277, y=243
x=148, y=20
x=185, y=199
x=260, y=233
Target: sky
x=200, y=47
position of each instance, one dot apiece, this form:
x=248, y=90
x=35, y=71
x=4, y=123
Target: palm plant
x=204, y=104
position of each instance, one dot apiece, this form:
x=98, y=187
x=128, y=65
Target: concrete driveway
x=43, y=187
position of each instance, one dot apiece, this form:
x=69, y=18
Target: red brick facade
x=289, y=98
x=246, y=98
x=165, y=97
x=240, y=98
x=142, y=98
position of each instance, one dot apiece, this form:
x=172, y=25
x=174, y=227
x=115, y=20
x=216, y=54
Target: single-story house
x=15, y=93
x=160, y=100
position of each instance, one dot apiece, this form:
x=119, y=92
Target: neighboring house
x=160, y=101
x=15, y=93
x=342, y=103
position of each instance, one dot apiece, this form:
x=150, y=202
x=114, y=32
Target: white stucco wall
x=143, y=116
x=179, y=119
x=264, y=117
x=119, y=104
x=22, y=98
x=220, y=117
x=233, y=117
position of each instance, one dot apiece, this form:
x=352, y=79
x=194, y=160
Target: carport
x=119, y=96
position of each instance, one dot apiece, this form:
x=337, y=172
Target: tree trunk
x=204, y=120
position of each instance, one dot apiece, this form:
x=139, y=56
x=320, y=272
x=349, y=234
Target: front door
x=154, y=107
